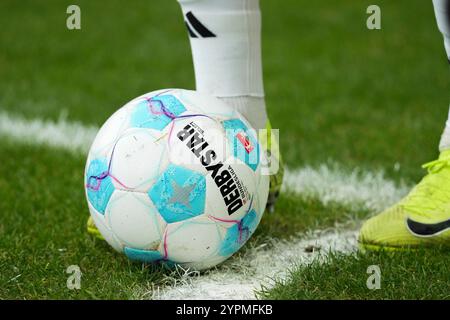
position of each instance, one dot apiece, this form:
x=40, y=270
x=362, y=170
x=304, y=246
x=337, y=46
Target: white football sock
x=442, y=11
x=225, y=38
x=444, y=144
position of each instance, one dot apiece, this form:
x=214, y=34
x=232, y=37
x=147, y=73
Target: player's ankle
x=252, y=108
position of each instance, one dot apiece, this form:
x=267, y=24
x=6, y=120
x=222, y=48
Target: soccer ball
x=174, y=176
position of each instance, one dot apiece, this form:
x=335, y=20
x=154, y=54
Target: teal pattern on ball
x=156, y=112
x=99, y=185
x=239, y=136
x=148, y=256
x=179, y=194
x=239, y=233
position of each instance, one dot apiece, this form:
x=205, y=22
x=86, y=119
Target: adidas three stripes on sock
x=225, y=37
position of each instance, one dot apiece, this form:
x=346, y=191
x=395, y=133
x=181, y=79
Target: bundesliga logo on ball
x=175, y=176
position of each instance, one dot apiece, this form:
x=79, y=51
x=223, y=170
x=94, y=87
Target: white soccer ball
x=174, y=176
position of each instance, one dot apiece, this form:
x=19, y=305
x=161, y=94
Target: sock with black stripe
x=225, y=37
x=442, y=11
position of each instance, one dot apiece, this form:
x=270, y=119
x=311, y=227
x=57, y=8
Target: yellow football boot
x=422, y=218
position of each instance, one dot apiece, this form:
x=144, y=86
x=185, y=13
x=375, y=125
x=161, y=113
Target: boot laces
x=429, y=193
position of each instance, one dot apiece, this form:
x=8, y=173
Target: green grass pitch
x=338, y=92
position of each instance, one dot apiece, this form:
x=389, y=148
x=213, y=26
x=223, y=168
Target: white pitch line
x=239, y=278
x=356, y=189
x=71, y=136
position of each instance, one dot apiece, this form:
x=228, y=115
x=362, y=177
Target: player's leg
x=423, y=216
x=442, y=10
x=225, y=37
